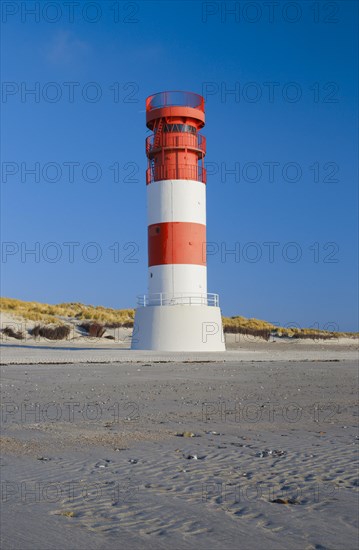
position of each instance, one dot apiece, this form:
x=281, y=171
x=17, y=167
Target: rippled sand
x=94, y=455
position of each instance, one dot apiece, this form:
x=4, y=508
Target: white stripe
x=174, y=278
x=176, y=201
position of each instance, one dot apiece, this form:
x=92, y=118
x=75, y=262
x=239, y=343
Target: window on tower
x=179, y=128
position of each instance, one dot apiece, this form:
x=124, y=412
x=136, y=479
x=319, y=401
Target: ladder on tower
x=158, y=134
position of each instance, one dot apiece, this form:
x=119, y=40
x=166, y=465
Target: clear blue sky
x=294, y=73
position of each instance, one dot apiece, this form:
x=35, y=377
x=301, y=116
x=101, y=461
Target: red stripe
x=176, y=243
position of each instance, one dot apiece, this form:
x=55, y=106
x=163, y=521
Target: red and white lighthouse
x=177, y=314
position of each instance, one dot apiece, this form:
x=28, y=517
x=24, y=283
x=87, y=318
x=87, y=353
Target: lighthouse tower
x=177, y=314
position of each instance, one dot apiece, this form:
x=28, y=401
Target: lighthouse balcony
x=162, y=172
x=173, y=99
x=175, y=141
x=178, y=299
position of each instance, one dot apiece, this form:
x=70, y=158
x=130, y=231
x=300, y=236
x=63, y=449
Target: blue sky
x=288, y=131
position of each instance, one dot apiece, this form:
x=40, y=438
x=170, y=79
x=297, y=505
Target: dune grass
x=47, y=313
x=264, y=329
x=59, y=313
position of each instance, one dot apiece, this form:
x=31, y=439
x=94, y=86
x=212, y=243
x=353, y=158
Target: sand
x=104, y=447
x=77, y=349
x=92, y=458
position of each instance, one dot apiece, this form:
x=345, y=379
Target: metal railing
x=178, y=299
x=173, y=99
x=176, y=172
x=196, y=142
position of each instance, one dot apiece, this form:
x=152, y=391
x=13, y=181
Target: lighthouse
x=177, y=314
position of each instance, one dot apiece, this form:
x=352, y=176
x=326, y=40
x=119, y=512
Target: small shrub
x=313, y=335
x=10, y=332
x=235, y=329
x=94, y=330
x=127, y=324
x=51, y=333
x=124, y=324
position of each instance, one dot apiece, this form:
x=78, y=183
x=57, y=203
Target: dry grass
x=48, y=313
x=8, y=331
x=263, y=329
x=113, y=318
x=51, y=333
x=261, y=333
x=95, y=330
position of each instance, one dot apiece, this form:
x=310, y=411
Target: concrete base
x=178, y=328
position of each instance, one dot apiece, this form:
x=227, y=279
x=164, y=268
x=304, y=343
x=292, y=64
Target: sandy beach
x=256, y=449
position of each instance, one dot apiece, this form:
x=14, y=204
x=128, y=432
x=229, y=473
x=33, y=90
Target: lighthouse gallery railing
x=180, y=298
